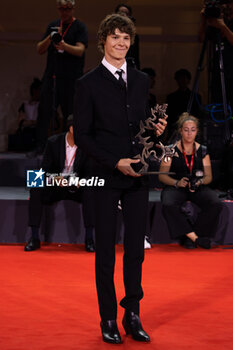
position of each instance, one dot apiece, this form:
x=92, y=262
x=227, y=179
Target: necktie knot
x=121, y=80
x=120, y=72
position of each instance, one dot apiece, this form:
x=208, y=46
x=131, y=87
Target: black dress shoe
x=110, y=332
x=90, y=246
x=132, y=325
x=188, y=243
x=203, y=242
x=32, y=244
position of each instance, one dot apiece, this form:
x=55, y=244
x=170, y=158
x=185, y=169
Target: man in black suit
x=112, y=102
x=61, y=156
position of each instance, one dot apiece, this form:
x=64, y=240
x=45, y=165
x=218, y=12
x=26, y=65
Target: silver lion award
x=151, y=151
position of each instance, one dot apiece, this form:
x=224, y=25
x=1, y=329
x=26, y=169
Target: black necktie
x=121, y=80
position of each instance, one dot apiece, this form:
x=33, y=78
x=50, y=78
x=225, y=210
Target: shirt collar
x=68, y=145
x=113, y=69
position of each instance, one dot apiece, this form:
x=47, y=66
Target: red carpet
x=48, y=299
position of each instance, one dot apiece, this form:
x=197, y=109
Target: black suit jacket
x=55, y=153
x=107, y=118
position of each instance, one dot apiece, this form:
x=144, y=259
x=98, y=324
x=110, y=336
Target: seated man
x=61, y=157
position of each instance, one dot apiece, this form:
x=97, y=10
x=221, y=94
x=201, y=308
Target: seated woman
x=192, y=160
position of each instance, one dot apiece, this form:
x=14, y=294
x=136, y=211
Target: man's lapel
x=77, y=160
x=130, y=77
x=108, y=75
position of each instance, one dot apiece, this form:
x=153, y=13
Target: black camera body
x=213, y=8
x=193, y=178
x=55, y=37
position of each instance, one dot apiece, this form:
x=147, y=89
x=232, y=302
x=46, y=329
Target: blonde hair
x=184, y=117
x=65, y=2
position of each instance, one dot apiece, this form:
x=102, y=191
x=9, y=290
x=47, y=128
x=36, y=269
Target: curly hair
x=110, y=24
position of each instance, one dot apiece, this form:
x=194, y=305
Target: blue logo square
x=35, y=178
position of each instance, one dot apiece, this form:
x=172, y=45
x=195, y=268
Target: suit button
x=130, y=124
x=127, y=106
x=133, y=142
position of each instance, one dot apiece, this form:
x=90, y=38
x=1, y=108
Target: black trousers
x=228, y=168
x=179, y=223
x=134, y=208
x=40, y=197
x=64, y=94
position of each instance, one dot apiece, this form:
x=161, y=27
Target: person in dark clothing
x=178, y=101
x=24, y=139
x=65, y=63
x=152, y=75
x=192, y=161
x=212, y=26
x=111, y=102
x=61, y=157
x=133, y=55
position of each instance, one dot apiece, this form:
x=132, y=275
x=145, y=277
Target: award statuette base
x=156, y=173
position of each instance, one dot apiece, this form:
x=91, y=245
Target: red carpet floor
x=48, y=299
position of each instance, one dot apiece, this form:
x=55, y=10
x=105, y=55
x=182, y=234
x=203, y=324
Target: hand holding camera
x=61, y=46
x=57, y=40
x=214, y=12
x=212, y=8
x=183, y=182
x=195, y=180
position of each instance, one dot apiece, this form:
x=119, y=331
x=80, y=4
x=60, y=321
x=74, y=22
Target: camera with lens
x=213, y=8
x=194, y=178
x=55, y=36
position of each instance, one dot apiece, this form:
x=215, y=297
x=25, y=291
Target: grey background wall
x=168, y=34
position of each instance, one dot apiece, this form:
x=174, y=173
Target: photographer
x=65, y=41
x=217, y=17
x=224, y=22
x=187, y=185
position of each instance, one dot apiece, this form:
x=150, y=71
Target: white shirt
x=113, y=69
x=31, y=110
x=70, y=157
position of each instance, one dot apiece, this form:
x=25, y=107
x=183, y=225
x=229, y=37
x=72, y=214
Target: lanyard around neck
x=63, y=34
x=189, y=165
